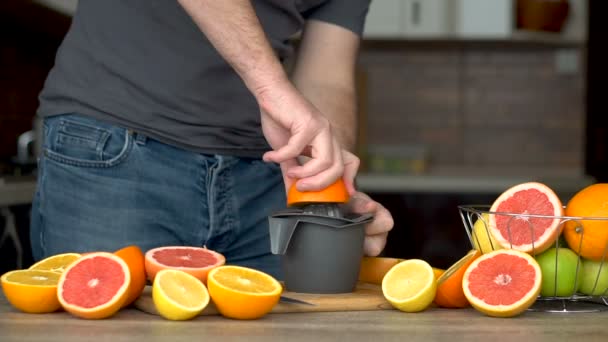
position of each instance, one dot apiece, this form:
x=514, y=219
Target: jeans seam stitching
x=124, y=153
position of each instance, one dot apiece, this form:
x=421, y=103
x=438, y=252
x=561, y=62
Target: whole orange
x=134, y=257
x=334, y=193
x=450, y=293
x=588, y=238
x=373, y=269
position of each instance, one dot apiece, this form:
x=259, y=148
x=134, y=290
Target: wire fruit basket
x=585, y=280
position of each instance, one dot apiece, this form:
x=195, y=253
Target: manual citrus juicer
x=320, y=242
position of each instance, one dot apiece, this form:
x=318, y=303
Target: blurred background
x=459, y=99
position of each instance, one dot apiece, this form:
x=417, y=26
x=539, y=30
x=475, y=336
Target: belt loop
x=139, y=138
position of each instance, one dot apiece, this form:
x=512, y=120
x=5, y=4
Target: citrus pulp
x=178, y=295
x=32, y=291
x=197, y=261
x=242, y=292
x=57, y=263
x=502, y=283
x=95, y=286
x=410, y=286
x=513, y=225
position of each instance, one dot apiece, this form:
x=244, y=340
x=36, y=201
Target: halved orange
x=57, y=263
x=135, y=259
x=32, y=291
x=242, y=292
x=449, y=285
x=334, y=193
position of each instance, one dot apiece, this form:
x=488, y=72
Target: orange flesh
x=93, y=282
x=184, y=258
x=502, y=280
x=517, y=230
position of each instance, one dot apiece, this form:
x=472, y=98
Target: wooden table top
x=430, y=325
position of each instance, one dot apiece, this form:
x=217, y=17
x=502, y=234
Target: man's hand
x=295, y=128
x=376, y=231
x=291, y=124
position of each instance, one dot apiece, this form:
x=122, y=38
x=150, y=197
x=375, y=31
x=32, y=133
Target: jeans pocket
x=80, y=141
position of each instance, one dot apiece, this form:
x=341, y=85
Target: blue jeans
x=102, y=187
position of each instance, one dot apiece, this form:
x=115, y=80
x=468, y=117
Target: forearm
x=235, y=31
x=325, y=73
x=337, y=102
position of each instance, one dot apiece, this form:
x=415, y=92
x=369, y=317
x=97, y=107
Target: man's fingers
x=286, y=165
x=374, y=244
x=351, y=167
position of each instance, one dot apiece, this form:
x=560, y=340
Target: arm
x=291, y=124
x=325, y=74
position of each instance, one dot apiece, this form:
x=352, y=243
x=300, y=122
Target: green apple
x=591, y=270
x=563, y=262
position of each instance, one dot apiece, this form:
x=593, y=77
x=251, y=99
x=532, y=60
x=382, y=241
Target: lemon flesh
x=178, y=295
x=410, y=285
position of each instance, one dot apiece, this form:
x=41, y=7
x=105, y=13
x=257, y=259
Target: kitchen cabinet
x=462, y=20
x=439, y=18
x=482, y=18
x=407, y=18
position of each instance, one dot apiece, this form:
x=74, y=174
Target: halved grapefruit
x=95, y=286
x=511, y=224
x=197, y=261
x=502, y=283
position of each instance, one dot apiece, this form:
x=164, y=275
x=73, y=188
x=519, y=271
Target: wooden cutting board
x=365, y=297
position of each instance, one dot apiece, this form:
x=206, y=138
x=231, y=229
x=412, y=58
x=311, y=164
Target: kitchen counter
x=431, y=325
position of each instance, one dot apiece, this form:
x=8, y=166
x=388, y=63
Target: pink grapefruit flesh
x=197, y=261
x=94, y=286
x=502, y=283
x=521, y=231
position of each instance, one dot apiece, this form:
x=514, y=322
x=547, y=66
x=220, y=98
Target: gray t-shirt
x=145, y=65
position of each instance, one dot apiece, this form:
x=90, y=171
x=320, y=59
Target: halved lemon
x=178, y=295
x=410, y=285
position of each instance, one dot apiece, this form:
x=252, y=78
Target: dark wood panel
x=30, y=35
x=597, y=105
